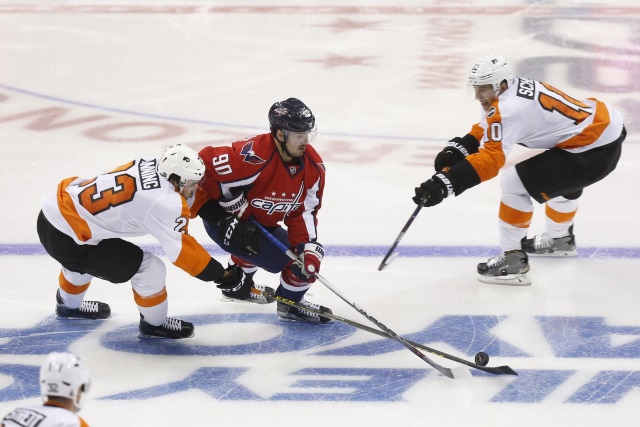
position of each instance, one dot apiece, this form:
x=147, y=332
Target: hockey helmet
x=64, y=375
x=491, y=70
x=291, y=115
x=183, y=162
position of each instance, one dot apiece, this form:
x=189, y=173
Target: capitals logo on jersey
x=250, y=155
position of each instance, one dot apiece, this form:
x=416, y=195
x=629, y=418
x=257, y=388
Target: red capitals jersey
x=275, y=191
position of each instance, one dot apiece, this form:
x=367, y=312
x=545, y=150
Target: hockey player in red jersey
x=582, y=139
x=272, y=178
x=64, y=382
x=82, y=224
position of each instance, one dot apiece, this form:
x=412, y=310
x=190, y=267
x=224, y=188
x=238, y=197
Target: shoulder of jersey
x=254, y=151
x=164, y=197
x=313, y=154
x=517, y=104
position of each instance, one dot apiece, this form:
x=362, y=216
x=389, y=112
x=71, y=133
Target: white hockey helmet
x=64, y=375
x=183, y=162
x=491, y=70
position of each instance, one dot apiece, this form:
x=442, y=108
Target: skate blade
x=80, y=318
x=261, y=301
x=509, y=280
x=299, y=321
x=558, y=254
x=142, y=336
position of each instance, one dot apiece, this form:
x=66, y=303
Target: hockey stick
x=444, y=371
x=496, y=370
x=388, y=259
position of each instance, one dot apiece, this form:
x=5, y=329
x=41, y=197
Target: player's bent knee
x=150, y=278
x=511, y=182
x=573, y=196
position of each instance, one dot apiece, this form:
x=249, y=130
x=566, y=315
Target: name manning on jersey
x=149, y=174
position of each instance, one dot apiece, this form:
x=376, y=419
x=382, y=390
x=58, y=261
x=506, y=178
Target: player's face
x=189, y=188
x=296, y=142
x=485, y=95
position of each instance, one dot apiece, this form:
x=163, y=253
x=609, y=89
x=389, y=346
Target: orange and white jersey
x=131, y=200
x=537, y=115
x=42, y=416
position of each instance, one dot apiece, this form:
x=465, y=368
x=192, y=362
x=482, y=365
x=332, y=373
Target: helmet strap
x=283, y=144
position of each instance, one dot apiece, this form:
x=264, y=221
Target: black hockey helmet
x=292, y=115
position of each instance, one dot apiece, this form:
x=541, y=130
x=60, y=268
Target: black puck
x=482, y=358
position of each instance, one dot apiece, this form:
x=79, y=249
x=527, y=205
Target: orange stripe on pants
x=515, y=217
x=70, y=288
x=559, y=217
x=151, y=300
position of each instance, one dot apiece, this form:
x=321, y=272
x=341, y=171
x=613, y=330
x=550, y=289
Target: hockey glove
x=235, y=205
x=434, y=190
x=310, y=255
x=452, y=153
x=240, y=234
x=231, y=279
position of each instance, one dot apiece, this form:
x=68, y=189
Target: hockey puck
x=482, y=358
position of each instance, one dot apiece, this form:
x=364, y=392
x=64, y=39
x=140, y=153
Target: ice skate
x=508, y=268
x=248, y=291
x=545, y=246
x=171, y=328
x=87, y=310
x=288, y=313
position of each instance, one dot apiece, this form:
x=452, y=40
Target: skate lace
x=89, y=306
x=497, y=260
x=306, y=303
x=173, y=324
x=255, y=295
x=542, y=241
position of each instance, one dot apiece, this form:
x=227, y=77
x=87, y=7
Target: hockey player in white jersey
x=64, y=382
x=582, y=139
x=82, y=225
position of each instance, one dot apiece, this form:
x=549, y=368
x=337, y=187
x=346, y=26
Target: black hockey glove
x=231, y=279
x=432, y=191
x=453, y=152
x=240, y=234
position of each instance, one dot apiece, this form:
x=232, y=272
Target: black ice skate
x=543, y=245
x=171, y=328
x=294, y=314
x=248, y=291
x=87, y=310
x=509, y=268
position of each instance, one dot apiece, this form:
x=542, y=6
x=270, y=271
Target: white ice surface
x=386, y=82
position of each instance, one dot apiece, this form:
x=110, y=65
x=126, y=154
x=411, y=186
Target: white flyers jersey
x=42, y=416
x=537, y=115
x=131, y=200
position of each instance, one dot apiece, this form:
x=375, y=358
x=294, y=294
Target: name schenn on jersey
x=526, y=88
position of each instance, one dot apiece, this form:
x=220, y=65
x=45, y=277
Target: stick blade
x=385, y=262
x=506, y=370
